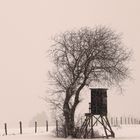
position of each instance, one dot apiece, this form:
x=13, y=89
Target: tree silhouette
x=81, y=58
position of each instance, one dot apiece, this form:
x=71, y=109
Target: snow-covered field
x=125, y=132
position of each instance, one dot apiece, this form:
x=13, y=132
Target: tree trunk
x=69, y=121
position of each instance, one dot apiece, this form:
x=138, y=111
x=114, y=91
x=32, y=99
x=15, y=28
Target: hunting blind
x=97, y=115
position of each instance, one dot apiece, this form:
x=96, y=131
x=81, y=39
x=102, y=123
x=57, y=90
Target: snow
x=128, y=132
x=124, y=132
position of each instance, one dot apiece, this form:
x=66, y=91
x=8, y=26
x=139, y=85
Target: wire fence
x=115, y=121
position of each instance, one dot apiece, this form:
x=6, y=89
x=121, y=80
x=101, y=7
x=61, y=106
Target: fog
x=26, y=29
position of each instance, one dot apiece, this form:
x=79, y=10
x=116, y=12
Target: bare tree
x=83, y=57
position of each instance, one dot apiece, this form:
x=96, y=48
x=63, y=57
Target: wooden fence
x=114, y=121
x=21, y=130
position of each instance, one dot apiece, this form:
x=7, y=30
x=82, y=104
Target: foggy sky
x=26, y=28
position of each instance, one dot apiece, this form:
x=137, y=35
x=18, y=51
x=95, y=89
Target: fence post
x=57, y=128
x=121, y=121
x=131, y=120
x=112, y=121
x=5, y=127
x=35, y=126
x=128, y=120
x=125, y=121
x=20, y=126
x=46, y=126
x=134, y=120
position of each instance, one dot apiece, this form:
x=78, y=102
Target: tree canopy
x=83, y=57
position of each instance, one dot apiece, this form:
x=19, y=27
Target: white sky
x=26, y=28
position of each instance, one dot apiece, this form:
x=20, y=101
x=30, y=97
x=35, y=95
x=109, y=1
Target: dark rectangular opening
x=99, y=101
